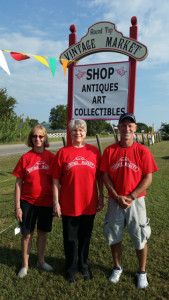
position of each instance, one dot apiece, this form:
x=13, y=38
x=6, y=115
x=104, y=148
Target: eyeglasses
x=35, y=136
x=78, y=129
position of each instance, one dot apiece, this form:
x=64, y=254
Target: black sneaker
x=70, y=277
x=86, y=275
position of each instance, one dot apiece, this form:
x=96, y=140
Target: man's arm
x=109, y=185
x=125, y=201
x=142, y=186
x=101, y=196
x=122, y=201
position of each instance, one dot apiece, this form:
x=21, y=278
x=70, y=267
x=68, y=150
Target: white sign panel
x=100, y=91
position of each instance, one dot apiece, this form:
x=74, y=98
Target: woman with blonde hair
x=33, y=197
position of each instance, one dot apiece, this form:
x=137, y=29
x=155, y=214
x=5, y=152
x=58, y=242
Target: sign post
x=72, y=41
x=133, y=67
x=103, y=37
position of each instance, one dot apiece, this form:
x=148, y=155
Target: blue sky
x=41, y=27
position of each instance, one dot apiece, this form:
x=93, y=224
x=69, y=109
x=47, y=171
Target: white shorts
x=134, y=218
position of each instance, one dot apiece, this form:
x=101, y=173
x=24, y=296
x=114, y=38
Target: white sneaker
x=45, y=266
x=23, y=272
x=115, y=276
x=142, y=282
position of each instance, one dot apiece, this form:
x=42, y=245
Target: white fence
x=57, y=134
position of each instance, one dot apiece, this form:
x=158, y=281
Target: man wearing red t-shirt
x=128, y=168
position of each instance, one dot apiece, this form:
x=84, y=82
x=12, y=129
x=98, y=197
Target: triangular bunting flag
x=41, y=59
x=3, y=63
x=53, y=65
x=64, y=64
x=18, y=56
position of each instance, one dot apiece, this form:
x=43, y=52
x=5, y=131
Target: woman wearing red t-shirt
x=33, y=196
x=75, y=170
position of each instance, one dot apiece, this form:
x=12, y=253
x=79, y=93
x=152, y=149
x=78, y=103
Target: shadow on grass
x=108, y=270
x=13, y=258
x=165, y=157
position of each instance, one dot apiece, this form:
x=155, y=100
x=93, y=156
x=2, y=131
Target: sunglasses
x=35, y=136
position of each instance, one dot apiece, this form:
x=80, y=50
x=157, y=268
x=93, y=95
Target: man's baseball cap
x=127, y=115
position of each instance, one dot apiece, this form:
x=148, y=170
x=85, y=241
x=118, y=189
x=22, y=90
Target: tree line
x=12, y=127
x=15, y=128
x=58, y=119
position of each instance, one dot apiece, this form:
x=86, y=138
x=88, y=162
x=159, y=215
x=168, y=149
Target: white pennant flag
x=3, y=63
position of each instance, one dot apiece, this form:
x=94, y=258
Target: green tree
x=95, y=126
x=7, y=105
x=108, y=127
x=164, y=129
x=142, y=126
x=13, y=129
x=58, y=117
x=33, y=122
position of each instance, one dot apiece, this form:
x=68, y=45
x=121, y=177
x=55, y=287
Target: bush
x=165, y=137
x=12, y=130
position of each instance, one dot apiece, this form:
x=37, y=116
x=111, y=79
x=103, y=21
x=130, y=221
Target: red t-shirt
x=127, y=166
x=33, y=169
x=76, y=168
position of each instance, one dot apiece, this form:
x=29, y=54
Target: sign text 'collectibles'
x=103, y=36
x=100, y=91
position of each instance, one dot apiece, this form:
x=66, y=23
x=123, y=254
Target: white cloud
x=153, y=23
x=45, y=31
x=31, y=82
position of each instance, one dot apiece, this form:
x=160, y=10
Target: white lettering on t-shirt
x=39, y=165
x=80, y=161
x=124, y=162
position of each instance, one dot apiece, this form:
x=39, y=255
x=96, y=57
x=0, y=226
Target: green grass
x=42, y=285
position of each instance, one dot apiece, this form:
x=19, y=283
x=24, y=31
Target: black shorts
x=31, y=213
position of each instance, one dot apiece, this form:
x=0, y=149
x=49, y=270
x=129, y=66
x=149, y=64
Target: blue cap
x=127, y=115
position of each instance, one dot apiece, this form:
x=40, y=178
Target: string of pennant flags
x=23, y=56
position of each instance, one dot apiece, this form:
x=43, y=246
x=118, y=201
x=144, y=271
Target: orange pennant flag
x=64, y=64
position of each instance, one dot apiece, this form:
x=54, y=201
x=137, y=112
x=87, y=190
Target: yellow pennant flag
x=41, y=59
x=64, y=64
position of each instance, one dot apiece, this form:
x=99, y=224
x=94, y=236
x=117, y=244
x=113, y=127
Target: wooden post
x=72, y=41
x=142, y=138
x=148, y=139
x=99, y=144
x=64, y=141
x=137, y=141
x=133, y=67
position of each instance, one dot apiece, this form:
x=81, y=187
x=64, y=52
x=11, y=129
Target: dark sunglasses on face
x=35, y=136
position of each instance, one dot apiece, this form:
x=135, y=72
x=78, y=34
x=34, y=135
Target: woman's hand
x=18, y=214
x=56, y=209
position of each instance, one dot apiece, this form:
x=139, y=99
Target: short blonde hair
x=29, y=140
x=77, y=123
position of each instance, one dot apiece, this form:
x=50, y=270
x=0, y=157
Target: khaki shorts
x=134, y=218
